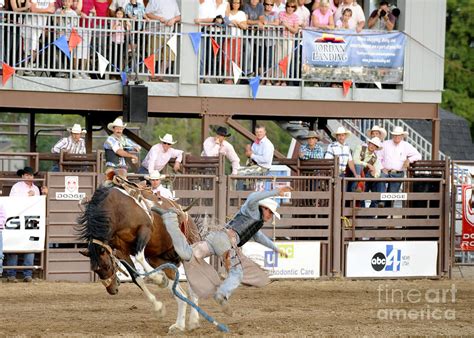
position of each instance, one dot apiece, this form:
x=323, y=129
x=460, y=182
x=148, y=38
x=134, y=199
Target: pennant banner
x=236, y=71
x=173, y=43
x=103, y=63
x=378, y=84
x=283, y=64
x=74, y=40
x=62, y=44
x=8, y=71
x=215, y=46
x=123, y=77
x=195, y=40
x=346, y=85
x=150, y=64
x=254, y=83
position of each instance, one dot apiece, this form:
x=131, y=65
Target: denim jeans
x=28, y=260
x=391, y=186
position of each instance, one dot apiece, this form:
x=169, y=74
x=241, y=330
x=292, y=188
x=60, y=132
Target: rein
x=108, y=281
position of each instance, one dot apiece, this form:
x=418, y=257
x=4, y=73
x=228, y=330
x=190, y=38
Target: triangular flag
x=195, y=40
x=123, y=77
x=236, y=71
x=74, y=39
x=172, y=43
x=254, y=83
x=378, y=84
x=284, y=65
x=150, y=64
x=346, y=85
x=8, y=71
x=103, y=63
x=215, y=46
x=62, y=44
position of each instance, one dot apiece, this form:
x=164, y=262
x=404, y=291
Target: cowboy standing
x=216, y=145
x=341, y=149
x=311, y=150
x=74, y=144
x=260, y=153
x=156, y=187
x=118, y=147
x=160, y=154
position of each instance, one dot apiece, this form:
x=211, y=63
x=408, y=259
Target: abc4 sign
x=390, y=261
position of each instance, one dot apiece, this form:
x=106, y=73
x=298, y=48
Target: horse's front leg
x=159, y=277
x=157, y=305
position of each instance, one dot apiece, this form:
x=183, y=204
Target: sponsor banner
x=391, y=259
x=364, y=57
x=303, y=259
x=71, y=189
x=467, y=239
x=393, y=196
x=25, y=227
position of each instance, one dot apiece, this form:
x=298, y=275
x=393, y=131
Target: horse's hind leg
x=193, y=322
x=180, y=324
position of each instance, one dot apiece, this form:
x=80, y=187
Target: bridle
x=116, y=267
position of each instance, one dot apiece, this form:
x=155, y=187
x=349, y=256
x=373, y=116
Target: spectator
x=160, y=154
x=115, y=4
x=377, y=131
x=367, y=164
x=311, y=150
x=357, y=20
x=344, y=22
x=2, y=8
x=3, y=219
x=323, y=16
x=82, y=51
x=233, y=45
x=303, y=14
x=382, y=18
x=119, y=43
x=69, y=19
x=158, y=189
x=23, y=188
x=18, y=7
x=266, y=47
x=216, y=145
x=260, y=153
x=74, y=143
x=254, y=11
x=118, y=147
x=134, y=10
x=395, y=158
x=341, y=150
x=278, y=6
x=289, y=20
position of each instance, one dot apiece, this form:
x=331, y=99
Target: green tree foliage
x=459, y=65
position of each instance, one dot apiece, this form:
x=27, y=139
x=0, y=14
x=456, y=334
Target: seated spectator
x=341, y=149
x=23, y=188
x=119, y=147
x=158, y=189
x=344, y=22
x=357, y=20
x=382, y=19
x=216, y=145
x=73, y=144
x=323, y=16
x=159, y=156
x=311, y=150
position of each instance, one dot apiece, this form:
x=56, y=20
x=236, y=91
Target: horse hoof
x=193, y=326
x=175, y=328
x=160, y=311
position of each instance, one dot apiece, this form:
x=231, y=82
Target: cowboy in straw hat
x=119, y=147
x=395, y=157
x=311, y=150
x=160, y=154
x=245, y=225
x=367, y=164
x=158, y=189
x=377, y=131
x=341, y=149
x=73, y=144
x=216, y=145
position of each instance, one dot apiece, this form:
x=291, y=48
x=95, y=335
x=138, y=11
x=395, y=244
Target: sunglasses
x=294, y=7
x=167, y=143
x=265, y=4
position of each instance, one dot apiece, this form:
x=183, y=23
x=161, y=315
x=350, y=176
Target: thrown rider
x=245, y=225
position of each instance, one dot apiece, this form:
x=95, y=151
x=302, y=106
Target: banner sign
x=467, y=239
x=391, y=259
x=303, y=259
x=366, y=57
x=71, y=189
x=25, y=228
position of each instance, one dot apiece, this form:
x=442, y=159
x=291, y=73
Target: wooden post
x=436, y=131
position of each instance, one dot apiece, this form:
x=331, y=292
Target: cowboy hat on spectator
x=155, y=175
x=25, y=170
x=399, y=131
x=341, y=130
x=271, y=205
x=168, y=138
x=76, y=129
x=312, y=134
x=117, y=123
x=222, y=131
x=383, y=132
x=376, y=142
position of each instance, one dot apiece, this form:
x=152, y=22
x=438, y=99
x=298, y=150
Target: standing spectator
x=120, y=28
x=68, y=19
x=357, y=20
x=206, y=16
x=159, y=156
x=82, y=51
x=367, y=164
x=118, y=147
x=395, y=158
x=311, y=150
x=266, y=47
x=382, y=19
x=344, y=22
x=73, y=144
x=289, y=20
x=23, y=188
x=216, y=145
x=341, y=150
x=158, y=189
x=233, y=45
x=19, y=7
x=303, y=14
x=323, y=16
x=115, y=4
x=135, y=10
x=260, y=153
x=254, y=12
x=377, y=131
x=278, y=6
x=3, y=219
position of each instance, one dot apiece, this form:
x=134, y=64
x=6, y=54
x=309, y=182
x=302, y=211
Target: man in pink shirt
x=395, y=158
x=159, y=156
x=216, y=145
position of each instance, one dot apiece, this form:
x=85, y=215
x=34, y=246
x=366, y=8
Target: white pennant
x=103, y=63
x=172, y=43
x=378, y=84
x=236, y=71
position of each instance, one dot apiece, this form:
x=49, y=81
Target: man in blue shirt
x=311, y=150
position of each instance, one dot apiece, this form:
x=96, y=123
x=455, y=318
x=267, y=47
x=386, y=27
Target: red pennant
x=284, y=65
x=346, y=85
x=74, y=39
x=215, y=46
x=7, y=73
x=150, y=64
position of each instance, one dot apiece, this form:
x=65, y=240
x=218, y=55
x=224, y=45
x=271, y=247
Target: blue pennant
x=63, y=45
x=123, y=76
x=254, y=83
x=196, y=40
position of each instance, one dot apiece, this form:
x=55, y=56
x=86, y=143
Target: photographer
x=382, y=19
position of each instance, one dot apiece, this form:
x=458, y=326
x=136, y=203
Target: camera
x=382, y=13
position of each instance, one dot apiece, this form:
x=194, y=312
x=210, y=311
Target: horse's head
x=103, y=263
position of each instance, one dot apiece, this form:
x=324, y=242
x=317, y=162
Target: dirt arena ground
x=283, y=308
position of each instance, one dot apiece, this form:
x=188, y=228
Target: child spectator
x=346, y=16
x=119, y=27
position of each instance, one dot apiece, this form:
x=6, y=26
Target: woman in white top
x=233, y=46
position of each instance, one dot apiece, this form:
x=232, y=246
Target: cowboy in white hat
x=395, y=157
x=216, y=145
x=118, y=147
x=367, y=164
x=74, y=143
x=311, y=150
x=158, y=189
x=341, y=150
x=245, y=225
x=377, y=131
x=160, y=154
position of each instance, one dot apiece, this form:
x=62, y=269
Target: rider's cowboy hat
x=168, y=138
x=341, y=130
x=155, y=175
x=271, y=205
x=399, y=131
x=312, y=134
x=383, y=132
x=117, y=123
x=376, y=142
x=25, y=170
x=222, y=131
x=76, y=129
